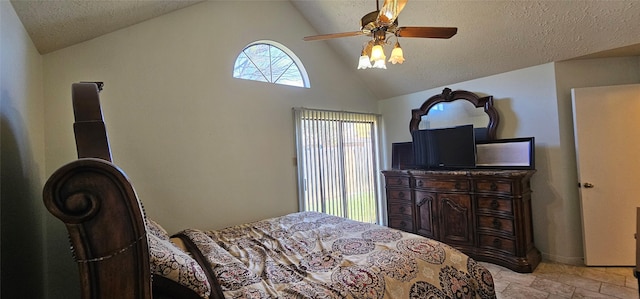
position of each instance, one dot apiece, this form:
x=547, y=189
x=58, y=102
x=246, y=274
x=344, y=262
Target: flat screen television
x=446, y=148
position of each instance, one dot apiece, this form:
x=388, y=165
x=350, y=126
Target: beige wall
x=535, y=102
x=21, y=161
x=202, y=149
x=193, y=139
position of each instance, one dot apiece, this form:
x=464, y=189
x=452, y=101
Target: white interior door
x=607, y=135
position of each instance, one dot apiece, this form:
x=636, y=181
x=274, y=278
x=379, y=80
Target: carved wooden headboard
x=100, y=209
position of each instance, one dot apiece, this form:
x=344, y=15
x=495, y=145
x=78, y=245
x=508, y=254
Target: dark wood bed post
x=100, y=209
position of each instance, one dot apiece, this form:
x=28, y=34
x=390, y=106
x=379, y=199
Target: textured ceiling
x=55, y=24
x=493, y=36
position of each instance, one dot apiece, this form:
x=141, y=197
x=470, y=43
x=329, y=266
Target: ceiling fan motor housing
x=369, y=23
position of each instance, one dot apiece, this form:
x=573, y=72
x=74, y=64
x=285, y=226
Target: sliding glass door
x=337, y=159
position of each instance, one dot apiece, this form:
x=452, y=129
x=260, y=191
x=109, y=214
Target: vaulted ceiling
x=493, y=36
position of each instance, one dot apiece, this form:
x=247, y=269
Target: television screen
x=446, y=148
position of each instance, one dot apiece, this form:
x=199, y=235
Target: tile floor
x=553, y=280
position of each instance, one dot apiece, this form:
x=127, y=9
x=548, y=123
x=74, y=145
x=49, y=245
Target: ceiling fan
x=380, y=23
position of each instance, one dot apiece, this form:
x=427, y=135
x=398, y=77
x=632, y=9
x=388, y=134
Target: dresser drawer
x=397, y=181
x=445, y=185
x=398, y=209
x=498, y=224
x=401, y=223
x=497, y=243
x=493, y=204
x=489, y=186
x=399, y=194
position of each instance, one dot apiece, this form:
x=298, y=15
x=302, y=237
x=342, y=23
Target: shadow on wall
x=508, y=119
x=21, y=210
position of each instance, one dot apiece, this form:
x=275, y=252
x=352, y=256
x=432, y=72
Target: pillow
x=169, y=261
x=155, y=229
x=180, y=244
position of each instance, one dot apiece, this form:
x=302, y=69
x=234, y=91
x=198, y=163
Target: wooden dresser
x=484, y=213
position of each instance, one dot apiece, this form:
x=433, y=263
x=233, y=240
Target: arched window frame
x=296, y=62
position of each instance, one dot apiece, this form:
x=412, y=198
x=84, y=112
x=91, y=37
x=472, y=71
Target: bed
x=121, y=253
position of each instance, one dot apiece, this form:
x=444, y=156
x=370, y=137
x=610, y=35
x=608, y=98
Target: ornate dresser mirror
x=454, y=108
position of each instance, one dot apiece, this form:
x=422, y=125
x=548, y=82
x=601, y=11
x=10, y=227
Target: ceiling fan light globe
x=379, y=64
x=377, y=53
x=364, y=62
x=396, y=56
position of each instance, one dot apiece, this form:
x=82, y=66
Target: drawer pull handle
x=399, y=182
x=497, y=243
x=401, y=194
x=493, y=187
x=496, y=223
x=420, y=183
x=403, y=224
x=495, y=204
x=457, y=185
x=401, y=209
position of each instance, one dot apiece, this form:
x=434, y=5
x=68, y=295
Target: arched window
x=269, y=61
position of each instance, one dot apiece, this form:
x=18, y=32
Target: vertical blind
x=338, y=163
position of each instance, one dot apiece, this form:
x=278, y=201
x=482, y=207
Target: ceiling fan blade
x=333, y=35
x=428, y=32
x=390, y=11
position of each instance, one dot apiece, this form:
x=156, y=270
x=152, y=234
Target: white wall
x=21, y=161
x=201, y=148
x=533, y=102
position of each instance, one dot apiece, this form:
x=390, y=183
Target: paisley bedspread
x=314, y=255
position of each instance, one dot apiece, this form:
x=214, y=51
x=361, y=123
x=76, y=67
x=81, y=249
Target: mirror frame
x=449, y=96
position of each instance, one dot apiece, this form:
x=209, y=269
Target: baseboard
x=577, y=260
